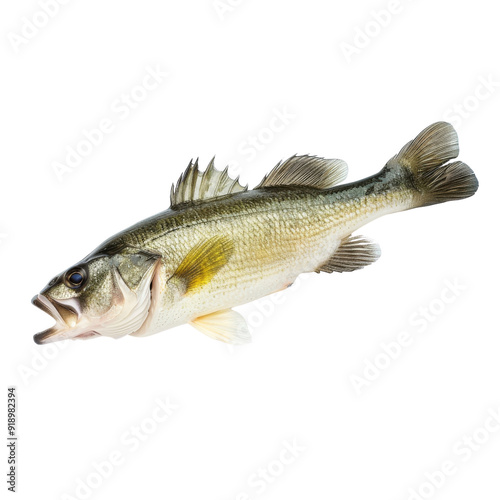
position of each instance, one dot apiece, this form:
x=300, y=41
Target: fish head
x=103, y=295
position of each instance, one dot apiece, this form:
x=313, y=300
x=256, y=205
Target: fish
x=221, y=245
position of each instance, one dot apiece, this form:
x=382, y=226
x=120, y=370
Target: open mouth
x=66, y=317
x=137, y=313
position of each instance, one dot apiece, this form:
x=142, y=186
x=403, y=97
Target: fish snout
x=65, y=315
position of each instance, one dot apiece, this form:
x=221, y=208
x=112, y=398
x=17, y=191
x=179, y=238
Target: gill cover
x=133, y=274
x=112, y=298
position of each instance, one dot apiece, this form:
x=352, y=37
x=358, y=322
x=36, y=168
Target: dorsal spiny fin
x=194, y=185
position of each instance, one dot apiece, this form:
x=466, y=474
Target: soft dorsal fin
x=306, y=171
x=194, y=185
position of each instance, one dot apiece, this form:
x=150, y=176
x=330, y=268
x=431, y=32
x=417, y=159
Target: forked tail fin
x=425, y=158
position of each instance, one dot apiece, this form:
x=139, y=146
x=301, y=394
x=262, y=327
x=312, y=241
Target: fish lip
x=48, y=306
x=41, y=305
x=59, y=312
x=55, y=334
x=49, y=335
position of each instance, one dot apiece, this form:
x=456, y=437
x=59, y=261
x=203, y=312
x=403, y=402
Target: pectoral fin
x=354, y=252
x=203, y=262
x=226, y=325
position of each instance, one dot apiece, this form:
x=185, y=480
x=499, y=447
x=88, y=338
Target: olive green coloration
x=220, y=245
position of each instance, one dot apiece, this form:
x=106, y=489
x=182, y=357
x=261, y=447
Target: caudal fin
x=426, y=156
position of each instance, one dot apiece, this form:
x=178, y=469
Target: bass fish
x=220, y=245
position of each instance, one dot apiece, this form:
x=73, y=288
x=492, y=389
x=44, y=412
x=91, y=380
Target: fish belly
x=271, y=250
x=272, y=246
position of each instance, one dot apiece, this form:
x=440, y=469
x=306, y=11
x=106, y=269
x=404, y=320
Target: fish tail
x=424, y=159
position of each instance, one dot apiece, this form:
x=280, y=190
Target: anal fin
x=227, y=326
x=354, y=252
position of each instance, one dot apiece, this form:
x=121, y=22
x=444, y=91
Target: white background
x=229, y=72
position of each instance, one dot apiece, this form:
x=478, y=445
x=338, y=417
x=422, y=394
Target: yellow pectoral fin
x=203, y=262
x=227, y=326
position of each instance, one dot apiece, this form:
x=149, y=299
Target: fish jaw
x=66, y=317
x=132, y=312
x=59, y=332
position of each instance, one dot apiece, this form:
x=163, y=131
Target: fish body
x=276, y=234
x=221, y=245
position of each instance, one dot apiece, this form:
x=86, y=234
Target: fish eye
x=75, y=278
